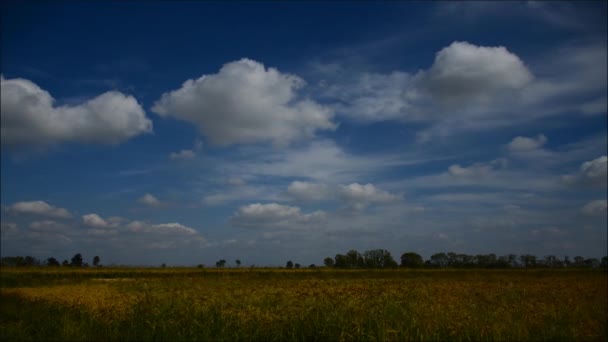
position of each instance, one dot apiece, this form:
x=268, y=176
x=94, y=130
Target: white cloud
x=464, y=73
x=523, y=144
x=274, y=215
x=359, y=196
x=48, y=226
x=162, y=229
x=593, y=172
x=595, y=168
x=182, y=155
x=246, y=103
x=477, y=170
x=29, y=117
x=150, y=200
x=95, y=221
x=308, y=191
x=8, y=228
x=187, y=154
x=39, y=208
x=597, y=207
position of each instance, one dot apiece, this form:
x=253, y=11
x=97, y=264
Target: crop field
x=306, y=304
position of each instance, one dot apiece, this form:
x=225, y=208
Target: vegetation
x=77, y=303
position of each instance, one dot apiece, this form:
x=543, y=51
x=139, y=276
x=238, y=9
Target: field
x=306, y=304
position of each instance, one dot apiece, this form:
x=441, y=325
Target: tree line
x=381, y=258
x=76, y=261
x=376, y=259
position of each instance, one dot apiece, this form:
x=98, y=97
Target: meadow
x=304, y=305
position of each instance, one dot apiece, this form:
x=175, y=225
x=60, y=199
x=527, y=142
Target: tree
x=341, y=261
x=378, y=258
x=297, y=265
x=289, y=264
x=65, y=263
x=604, y=262
x=52, y=262
x=237, y=262
x=355, y=259
x=411, y=260
x=77, y=260
x=96, y=261
x=439, y=260
x=328, y=262
x=220, y=263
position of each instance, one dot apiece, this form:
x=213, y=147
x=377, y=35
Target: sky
x=187, y=132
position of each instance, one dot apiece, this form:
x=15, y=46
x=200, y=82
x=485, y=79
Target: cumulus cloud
x=597, y=207
x=245, y=102
x=463, y=75
x=95, y=221
x=29, y=117
x=39, y=208
x=182, y=155
x=274, y=215
x=593, y=172
x=162, y=229
x=359, y=195
x=48, y=226
x=308, y=191
x=8, y=228
x=524, y=144
x=463, y=72
x=150, y=200
x=187, y=154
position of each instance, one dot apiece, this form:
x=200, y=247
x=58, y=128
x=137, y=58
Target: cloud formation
x=359, y=196
x=29, y=117
x=246, y=102
x=597, y=207
x=524, y=144
x=591, y=173
x=272, y=215
x=307, y=191
x=463, y=73
x=39, y=208
x=150, y=200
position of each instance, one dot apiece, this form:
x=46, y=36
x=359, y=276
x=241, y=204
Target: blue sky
x=185, y=133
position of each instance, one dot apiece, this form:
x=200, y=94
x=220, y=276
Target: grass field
x=307, y=304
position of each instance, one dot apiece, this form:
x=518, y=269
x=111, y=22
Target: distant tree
x=96, y=261
x=341, y=261
x=579, y=261
x=163, y=265
x=200, y=266
x=312, y=266
x=77, y=260
x=52, y=262
x=439, y=260
x=30, y=261
x=65, y=263
x=592, y=262
x=297, y=265
x=378, y=258
x=528, y=260
x=354, y=259
x=220, y=263
x=237, y=262
x=328, y=262
x=567, y=262
x=289, y=264
x=604, y=262
x=411, y=260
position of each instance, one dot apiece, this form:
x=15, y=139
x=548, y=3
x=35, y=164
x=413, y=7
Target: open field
x=306, y=304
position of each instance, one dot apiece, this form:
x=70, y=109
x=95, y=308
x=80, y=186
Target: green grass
x=303, y=305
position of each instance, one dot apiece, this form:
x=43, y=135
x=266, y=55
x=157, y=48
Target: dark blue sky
x=195, y=131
